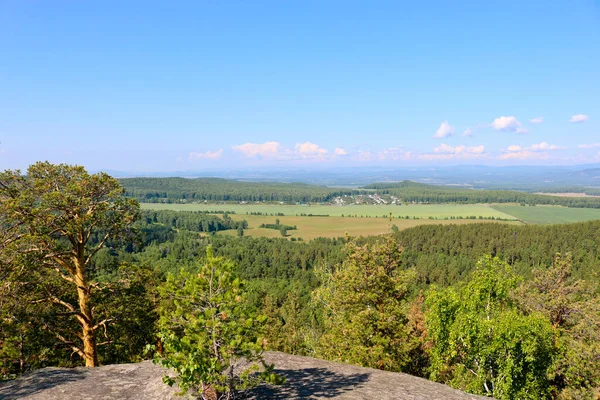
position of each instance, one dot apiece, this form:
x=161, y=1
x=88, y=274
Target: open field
x=439, y=211
x=372, y=221
x=569, y=194
x=312, y=227
x=549, y=214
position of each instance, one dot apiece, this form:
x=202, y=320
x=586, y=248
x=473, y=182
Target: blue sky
x=146, y=86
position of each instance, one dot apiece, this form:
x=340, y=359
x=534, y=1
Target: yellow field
x=312, y=227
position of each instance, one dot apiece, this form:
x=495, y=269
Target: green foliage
x=210, y=338
x=447, y=254
x=54, y=221
x=365, y=308
x=482, y=344
x=278, y=226
x=289, y=327
x=214, y=189
x=572, y=306
x=193, y=221
x=129, y=297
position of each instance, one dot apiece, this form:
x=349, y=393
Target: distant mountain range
x=514, y=177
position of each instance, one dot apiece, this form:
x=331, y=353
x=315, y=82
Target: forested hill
x=408, y=191
x=216, y=189
x=172, y=190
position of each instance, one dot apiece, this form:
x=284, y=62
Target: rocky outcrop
x=307, y=378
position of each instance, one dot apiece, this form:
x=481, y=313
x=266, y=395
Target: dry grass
x=313, y=227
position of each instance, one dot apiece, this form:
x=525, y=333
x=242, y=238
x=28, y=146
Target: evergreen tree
x=55, y=220
x=365, y=308
x=210, y=338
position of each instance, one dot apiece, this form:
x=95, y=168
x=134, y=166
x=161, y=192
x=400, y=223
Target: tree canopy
x=54, y=221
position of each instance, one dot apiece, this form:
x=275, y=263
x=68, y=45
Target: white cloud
x=446, y=152
x=508, y=124
x=445, y=130
x=476, y=149
x=579, y=118
x=267, y=149
x=589, y=146
x=432, y=157
x=468, y=132
x=309, y=149
x=211, y=155
x=444, y=148
x=523, y=155
x=339, y=151
x=545, y=146
x=536, y=151
x=537, y=120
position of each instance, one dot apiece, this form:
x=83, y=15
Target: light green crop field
x=439, y=211
x=549, y=214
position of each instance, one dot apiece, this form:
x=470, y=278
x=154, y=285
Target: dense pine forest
x=215, y=189
x=507, y=311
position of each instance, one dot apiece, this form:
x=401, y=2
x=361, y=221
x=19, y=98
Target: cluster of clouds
x=275, y=151
x=538, y=151
x=502, y=124
x=448, y=152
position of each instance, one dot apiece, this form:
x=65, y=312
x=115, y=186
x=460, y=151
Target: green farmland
x=365, y=220
x=549, y=214
x=437, y=211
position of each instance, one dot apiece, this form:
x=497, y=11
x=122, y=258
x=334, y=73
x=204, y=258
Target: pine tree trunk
x=90, y=354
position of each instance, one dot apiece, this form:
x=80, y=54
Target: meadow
x=354, y=220
x=548, y=214
x=312, y=227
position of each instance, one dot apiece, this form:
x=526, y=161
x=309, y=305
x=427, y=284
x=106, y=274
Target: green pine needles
x=209, y=336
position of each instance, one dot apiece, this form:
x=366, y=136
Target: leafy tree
x=210, y=338
x=482, y=344
x=283, y=231
x=365, y=307
x=572, y=306
x=54, y=221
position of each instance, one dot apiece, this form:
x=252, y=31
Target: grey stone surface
x=142, y=381
x=310, y=378
x=307, y=378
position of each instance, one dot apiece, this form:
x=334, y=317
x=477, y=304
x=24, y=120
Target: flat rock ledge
x=307, y=378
